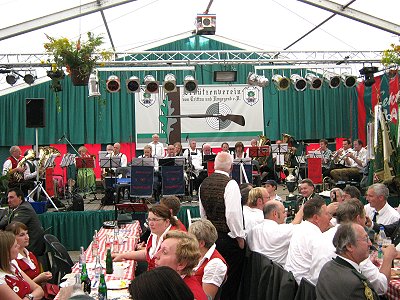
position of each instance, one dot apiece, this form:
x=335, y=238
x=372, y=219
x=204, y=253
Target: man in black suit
x=352, y=247
x=22, y=211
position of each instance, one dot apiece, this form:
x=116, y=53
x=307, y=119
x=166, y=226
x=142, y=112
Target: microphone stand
x=64, y=137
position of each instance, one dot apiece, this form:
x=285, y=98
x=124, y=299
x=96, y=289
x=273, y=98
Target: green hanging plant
x=391, y=56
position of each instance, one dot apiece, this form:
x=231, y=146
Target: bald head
x=275, y=210
x=117, y=148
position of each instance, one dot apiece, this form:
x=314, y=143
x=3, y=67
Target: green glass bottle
x=102, y=288
x=87, y=284
x=109, y=262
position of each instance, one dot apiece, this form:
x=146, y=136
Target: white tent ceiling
x=266, y=24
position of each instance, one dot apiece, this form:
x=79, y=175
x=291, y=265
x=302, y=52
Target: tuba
x=262, y=141
x=20, y=176
x=44, y=154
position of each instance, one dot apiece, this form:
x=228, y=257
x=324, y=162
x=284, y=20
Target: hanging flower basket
x=79, y=77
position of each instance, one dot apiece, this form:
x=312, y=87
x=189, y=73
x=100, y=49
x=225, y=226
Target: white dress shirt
x=325, y=251
x=233, y=208
x=7, y=166
x=195, y=158
x=302, y=246
x=157, y=149
x=271, y=239
x=154, y=245
x=215, y=270
x=252, y=216
x=387, y=215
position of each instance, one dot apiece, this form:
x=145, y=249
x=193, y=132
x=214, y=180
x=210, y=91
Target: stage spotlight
x=368, y=73
x=257, y=80
x=93, y=85
x=113, y=85
x=314, y=81
x=151, y=84
x=133, y=84
x=11, y=79
x=282, y=83
x=29, y=78
x=348, y=80
x=190, y=84
x=169, y=83
x=332, y=79
x=298, y=82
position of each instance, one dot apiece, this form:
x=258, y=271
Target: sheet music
x=67, y=160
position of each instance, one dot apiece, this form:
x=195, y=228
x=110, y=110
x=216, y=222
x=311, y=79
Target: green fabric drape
x=182, y=215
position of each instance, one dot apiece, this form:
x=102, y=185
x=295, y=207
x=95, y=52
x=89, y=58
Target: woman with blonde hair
x=14, y=283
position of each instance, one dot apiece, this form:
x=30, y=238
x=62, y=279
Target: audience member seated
x=351, y=192
x=306, y=190
x=253, y=211
x=271, y=187
x=341, y=278
x=160, y=222
x=377, y=209
x=352, y=211
x=180, y=251
x=26, y=260
x=22, y=211
x=174, y=205
x=336, y=195
x=14, y=283
x=160, y=283
x=272, y=237
x=305, y=237
x=211, y=270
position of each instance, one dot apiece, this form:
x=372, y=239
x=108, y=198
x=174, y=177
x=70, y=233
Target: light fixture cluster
x=151, y=85
x=300, y=83
x=13, y=76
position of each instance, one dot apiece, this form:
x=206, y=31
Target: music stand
x=67, y=161
x=280, y=150
x=142, y=189
x=241, y=162
x=85, y=163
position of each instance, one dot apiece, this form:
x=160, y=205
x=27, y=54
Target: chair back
x=49, y=239
x=306, y=290
x=64, y=267
x=62, y=252
x=190, y=219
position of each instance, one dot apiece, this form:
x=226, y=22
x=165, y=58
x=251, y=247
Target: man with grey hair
x=211, y=269
x=341, y=277
x=10, y=166
x=157, y=148
x=272, y=237
x=219, y=202
x=377, y=208
x=352, y=211
x=117, y=153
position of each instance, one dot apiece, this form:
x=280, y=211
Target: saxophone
x=17, y=176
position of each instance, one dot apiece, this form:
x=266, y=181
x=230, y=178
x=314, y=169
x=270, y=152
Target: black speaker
x=35, y=116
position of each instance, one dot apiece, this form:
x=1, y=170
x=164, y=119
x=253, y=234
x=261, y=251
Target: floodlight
x=332, y=79
x=151, y=84
x=169, y=83
x=257, y=80
x=281, y=83
x=190, y=84
x=29, y=78
x=348, y=80
x=11, y=79
x=113, y=84
x=314, y=81
x=133, y=84
x=299, y=83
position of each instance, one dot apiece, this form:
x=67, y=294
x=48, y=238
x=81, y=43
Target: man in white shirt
x=350, y=211
x=355, y=161
x=253, y=211
x=305, y=237
x=220, y=203
x=193, y=155
x=272, y=237
x=157, y=148
x=116, y=152
x=377, y=208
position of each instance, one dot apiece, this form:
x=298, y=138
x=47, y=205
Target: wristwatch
x=29, y=296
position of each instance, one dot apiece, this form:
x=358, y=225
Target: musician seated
x=156, y=178
x=239, y=151
x=193, y=155
x=326, y=157
x=86, y=178
x=354, y=162
x=157, y=148
x=15, y=170
x=178, y=149
x=171, y=151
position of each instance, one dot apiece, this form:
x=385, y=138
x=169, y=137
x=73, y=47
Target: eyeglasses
x=154, y=219
x=365, y=239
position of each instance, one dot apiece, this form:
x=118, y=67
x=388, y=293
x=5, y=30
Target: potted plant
x=78, y=57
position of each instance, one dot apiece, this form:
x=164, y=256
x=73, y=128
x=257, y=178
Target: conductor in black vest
x=220, y=202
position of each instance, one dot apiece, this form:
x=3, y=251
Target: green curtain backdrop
x=327, y=113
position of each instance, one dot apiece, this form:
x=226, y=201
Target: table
x=129, y=234
x=393, y=289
